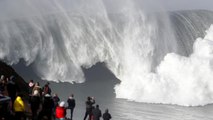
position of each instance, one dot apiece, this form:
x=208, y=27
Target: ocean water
x=99, y=84
x=139, y=63
x=166, y=54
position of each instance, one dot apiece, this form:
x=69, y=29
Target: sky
x=187, y=4
x=168, y=4
x=29, y=7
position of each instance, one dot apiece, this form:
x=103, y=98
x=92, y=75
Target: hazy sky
x=22, y=7
x=187, y=4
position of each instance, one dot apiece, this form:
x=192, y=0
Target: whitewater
x=156, y=56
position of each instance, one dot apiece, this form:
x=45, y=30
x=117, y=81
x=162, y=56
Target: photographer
x=89, y=105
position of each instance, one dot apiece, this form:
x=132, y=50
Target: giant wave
x=151, y=53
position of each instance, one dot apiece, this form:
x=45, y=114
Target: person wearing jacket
x=38, y=88
x=107, y=115
x=71, y=105
x=19, y=108
x=56, y=99
x=35, y=101
x=60, y=112
x=47, y=107
x=31, y=85
x=12, y=88
x=96, y=113
x=89, y=105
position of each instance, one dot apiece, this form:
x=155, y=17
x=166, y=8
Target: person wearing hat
x=60, y=112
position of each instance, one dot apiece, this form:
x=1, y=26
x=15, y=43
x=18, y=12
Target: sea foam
x=181, y=80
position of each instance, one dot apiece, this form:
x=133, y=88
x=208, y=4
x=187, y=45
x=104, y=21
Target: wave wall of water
x=151, y=53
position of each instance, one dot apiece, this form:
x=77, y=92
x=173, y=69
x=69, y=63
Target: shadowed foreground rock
x=8, y=71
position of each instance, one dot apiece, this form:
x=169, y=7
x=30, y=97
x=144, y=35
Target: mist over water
x=142, y=49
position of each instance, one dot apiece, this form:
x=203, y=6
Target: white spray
x=59, y=42
x=178, y=80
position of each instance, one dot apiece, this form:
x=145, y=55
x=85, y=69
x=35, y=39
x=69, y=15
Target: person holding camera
x=89, y=105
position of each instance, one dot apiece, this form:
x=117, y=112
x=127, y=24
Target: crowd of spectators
x=41, y=103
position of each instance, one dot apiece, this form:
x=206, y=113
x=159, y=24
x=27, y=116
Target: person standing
x=31, y=85
x=90, y=101
x=38, y=88
x=47, y=107
x=46, y=89
x=35, y=101
x=107, y=115
x=12, y=89
x=19, y=108
x=56, y=99
x=71, y=105
x=60, y=112
x=2, y=84
x=96, y=113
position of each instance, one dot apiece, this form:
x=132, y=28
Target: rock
x=8, y=71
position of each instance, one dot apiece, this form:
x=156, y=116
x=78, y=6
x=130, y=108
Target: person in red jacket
x=60, y=112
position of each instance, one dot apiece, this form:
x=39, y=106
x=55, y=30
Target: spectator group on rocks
x=41, y=104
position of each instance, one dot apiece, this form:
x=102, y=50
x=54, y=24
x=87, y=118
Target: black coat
x=71, y=103
x=89, y=105
x=12, y=89
x=56, y=99
x=35, y=103
x=96, y=114
x=48, y=104
x=106, y=116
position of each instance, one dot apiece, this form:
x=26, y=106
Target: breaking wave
x=151, y=53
